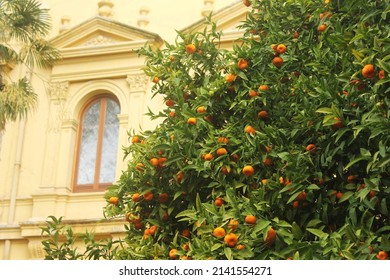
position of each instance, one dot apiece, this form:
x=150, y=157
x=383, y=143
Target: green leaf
x=216, y=246
x=356, y=160
x=228, y=253
x=314, y=223
x=325, y=110
x=317, y=232
x=346, y=196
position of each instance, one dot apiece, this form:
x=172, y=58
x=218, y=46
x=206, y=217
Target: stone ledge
x=79, y=226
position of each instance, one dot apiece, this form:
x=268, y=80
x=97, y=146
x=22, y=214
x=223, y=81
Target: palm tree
x=24, y=24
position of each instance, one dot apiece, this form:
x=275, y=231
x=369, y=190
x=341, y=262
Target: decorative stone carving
x=105, y=8
x=58, y=94
x=65, y=24
x=35, y=248
x=143, y=19
x=208, y=7
x=99, y=41
x=137, y=82
x=58, y=91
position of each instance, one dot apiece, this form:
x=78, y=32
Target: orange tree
x=276, y=149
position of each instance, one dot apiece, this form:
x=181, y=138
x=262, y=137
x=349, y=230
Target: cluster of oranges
x=278, y=50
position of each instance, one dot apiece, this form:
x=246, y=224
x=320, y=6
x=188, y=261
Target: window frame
x=96, y=186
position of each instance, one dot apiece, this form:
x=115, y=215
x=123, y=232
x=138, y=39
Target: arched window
x=97, y=145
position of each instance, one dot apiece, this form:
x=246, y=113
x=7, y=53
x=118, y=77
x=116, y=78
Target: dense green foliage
x=320, y=154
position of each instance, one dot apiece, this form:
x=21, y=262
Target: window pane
x=110, y=143
x=89, y=139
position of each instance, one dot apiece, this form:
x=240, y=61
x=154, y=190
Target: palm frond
x=26, y=19
x=7, y=54
x=39, y=53
x=16, y=100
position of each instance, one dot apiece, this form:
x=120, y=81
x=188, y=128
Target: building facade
x=61, y=158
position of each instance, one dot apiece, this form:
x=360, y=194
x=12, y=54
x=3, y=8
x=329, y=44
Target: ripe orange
x=190, y=48
x=172, y=114
x=169, y=102
x=161, y=161
x=218, y=202
x=301, y=196
x=338, y=123
x=140, y=166
x=201, y=109
x=264, y=181
x=247, y=2
x=248, y=170
x=136, y=197
x=268, y=161
x=191, y=121
x=240, y=247
x=219, y=232
x=223, y=140
x=209, y=118
x=155, y=80
x=325, y=14
x=351, y=178
x=281, y=48
x=250, y=219
x=135, y=139
x=263, y=87
x=274, y=46
x=221, y=151
x=311, y=148
x=381, y=74
x=163, y=197
x=277, y=61
x=230, y=240
x=225, y=170
x=242, y=64
x=186, y=233
x=271, y=236
x=165, y=216
x=179, y=177
x=235, y=157
x=185, y=246
x=262, y=114
x=152, y=230
x=230, y=78
x=382, y=255
x=233, y=224
x=339, y=195
x=295, y=204
x=138, y=224
x=368, y=71
x=252, y=93
x=148, y=196
x=154, y=161
x=173, y=253
x=322, y=28
x=113, y=200
x=250, y=130
x=208, y=157
x=295, y=35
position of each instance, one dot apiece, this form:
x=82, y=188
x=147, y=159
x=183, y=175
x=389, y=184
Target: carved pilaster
x=35, y=249
x=59, y=90
x=137, y=82
x=58, y=94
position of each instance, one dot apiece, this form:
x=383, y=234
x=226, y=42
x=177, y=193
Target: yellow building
x=59, y=160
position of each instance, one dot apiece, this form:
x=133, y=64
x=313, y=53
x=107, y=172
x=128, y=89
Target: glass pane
x=89, y=139
x=110, y=143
